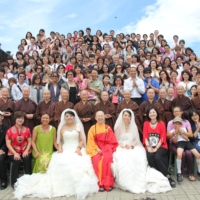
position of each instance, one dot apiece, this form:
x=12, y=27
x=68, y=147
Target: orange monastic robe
x=102, y=137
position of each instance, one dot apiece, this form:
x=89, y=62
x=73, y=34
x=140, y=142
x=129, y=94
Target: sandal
x=191, y=178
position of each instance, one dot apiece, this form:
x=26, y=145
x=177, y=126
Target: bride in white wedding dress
x=70, y=171
x=130, y=166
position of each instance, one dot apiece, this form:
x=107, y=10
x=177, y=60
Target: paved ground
x=185, y=191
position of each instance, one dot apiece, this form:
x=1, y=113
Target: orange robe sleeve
x=91, y=144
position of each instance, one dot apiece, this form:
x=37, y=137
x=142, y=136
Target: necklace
x=44, y=130
x=153, y=123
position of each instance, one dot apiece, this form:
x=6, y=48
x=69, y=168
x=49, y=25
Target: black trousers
x=137, y=100
x=3, y=168
x=159, y=160
x=16, y=167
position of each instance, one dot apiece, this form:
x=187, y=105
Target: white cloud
x=170, y=17
x=73, y=15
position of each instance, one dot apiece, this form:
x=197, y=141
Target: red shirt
x=69, y=67
x=19, y=140
x=153, y=134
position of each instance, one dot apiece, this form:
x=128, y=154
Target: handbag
x=114, y=99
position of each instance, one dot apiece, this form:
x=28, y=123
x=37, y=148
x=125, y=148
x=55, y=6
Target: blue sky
x=144, y=16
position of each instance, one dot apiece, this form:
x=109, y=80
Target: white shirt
x=5, y=82
x=180, y=137
x=109, y=43
x=28, y=47
x=16, y=93
x=136, y=92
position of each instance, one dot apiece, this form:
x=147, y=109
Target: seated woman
x=117, y=90
x=154, y=140
x=194, y=118
x=130, y=166
x=70, y=171
x=43, y=140
x=187, y=157
x=183, y=143
x=85, y=85
x=18, y=142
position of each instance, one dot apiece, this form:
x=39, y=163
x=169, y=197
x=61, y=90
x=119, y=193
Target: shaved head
x=99, y=113
x=100, y=117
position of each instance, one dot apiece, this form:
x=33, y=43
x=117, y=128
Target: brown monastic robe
x=136, y=110
x=28, y=107
x=44, y=107
x=196, y=103
x=7, y=106
x=167, y=106
x=183, y=102
x=85, y=111
x=107, y=108
x=144, y=106
x=59, y=108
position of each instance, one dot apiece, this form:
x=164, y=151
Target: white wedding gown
x=68, y=174
x=132, y=173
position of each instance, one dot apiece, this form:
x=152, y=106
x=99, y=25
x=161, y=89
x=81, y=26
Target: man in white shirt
x=107, y=41
x=135, y=85
x=30, y=48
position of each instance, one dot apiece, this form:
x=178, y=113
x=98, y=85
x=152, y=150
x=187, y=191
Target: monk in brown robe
x=182, y=101
x=6, y=106
x=144, y=106
x=167, y=106
x=46, y=106
x=61, y=106
x=108, y=108
x=85, y=111
x=128, y=103
x=196, y=100
x=27, y=106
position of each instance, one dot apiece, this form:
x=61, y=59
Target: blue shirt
x=155, y=84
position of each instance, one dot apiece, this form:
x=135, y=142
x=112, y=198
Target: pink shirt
x=185, y=124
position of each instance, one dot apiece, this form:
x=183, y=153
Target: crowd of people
x=87, y=113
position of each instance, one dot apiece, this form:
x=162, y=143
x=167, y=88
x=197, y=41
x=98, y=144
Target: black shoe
x=198, y=174
x=179, y=177
x=171, y=181
x=101, y=189
x=3, y=185
x=110, y=189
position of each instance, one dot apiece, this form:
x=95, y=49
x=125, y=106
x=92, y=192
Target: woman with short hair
x=155, y=142
x=18, y=142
